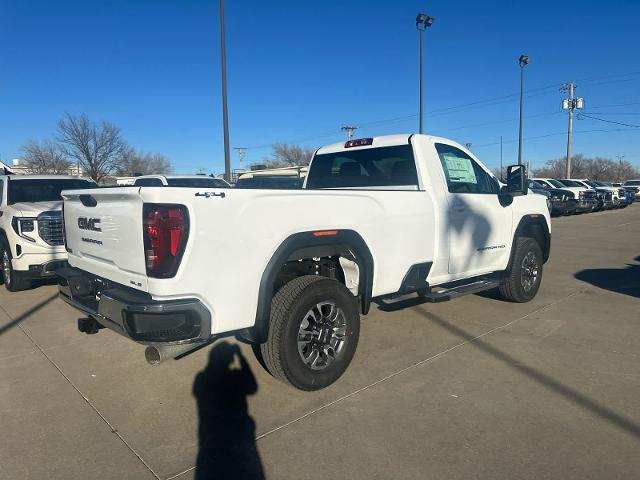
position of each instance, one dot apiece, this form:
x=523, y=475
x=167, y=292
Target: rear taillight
x=165, y=232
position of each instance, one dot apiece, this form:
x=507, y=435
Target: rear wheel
x=11, y=279
x=523, y=280
x=313, y=332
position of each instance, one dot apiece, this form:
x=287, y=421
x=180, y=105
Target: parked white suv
x=31, y=226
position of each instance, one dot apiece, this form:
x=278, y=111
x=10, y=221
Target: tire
x=523, y=280
x=293, y=310
x=11, y=279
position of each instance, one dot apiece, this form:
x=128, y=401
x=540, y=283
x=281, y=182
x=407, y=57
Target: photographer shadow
x=226, y=432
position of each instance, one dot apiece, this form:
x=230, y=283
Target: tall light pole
x=423, y=22
x=225, y=113
x=523, y=61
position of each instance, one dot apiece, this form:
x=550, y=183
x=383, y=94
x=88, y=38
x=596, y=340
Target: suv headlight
x=22, y=226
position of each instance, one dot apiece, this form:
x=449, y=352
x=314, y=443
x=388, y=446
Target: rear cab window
x=204, y=182
x=390, y=168
x=40, y=190
x=148, y=182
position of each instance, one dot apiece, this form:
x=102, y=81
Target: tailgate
x=103, y=233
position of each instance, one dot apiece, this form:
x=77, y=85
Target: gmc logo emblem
x=92, y=224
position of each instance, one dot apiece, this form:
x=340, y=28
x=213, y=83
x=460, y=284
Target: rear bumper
x=135, y=314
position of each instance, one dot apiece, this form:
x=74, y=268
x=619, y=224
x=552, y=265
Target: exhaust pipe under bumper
x=155, y=355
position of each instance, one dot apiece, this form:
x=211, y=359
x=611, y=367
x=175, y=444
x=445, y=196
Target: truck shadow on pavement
x=619, y=280
x=579, y=399
x=226, y=432
x=14, y=322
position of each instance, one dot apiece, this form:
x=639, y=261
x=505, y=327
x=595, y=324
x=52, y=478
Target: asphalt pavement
x=473, y=388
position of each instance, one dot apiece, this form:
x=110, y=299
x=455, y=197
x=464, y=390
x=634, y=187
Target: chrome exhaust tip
x=155, y=355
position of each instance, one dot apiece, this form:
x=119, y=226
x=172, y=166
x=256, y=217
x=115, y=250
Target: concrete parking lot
x=474, y=388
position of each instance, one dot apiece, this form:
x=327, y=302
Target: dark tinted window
x=536, y=185
x=270, y=182
x=463, y=174
x=570, y=183
x=371, y=167
x=204, y=182
x=632, y=183
x=148, y=182
x=555, y=183
x=1, y=190
x=42, y=190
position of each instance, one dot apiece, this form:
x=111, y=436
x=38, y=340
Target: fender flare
x=528, y=221
x=303, y=245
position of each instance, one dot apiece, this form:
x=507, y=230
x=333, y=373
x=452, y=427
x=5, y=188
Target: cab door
x=478, y=225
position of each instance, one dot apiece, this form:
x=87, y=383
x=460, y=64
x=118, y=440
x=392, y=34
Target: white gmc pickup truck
x=292, y=270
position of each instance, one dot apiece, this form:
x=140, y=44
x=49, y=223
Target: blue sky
x=298, y=70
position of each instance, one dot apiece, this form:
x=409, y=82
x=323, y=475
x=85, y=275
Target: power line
x=615, y=105
x=547, y=135
x=470, y=105
x=608, y=121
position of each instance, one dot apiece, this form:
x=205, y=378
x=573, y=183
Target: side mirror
x=517, y=180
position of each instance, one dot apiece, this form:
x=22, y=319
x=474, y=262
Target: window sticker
x=460, y=169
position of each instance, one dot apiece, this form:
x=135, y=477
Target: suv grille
x=50, y=228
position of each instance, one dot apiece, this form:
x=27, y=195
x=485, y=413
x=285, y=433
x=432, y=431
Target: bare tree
x=97, y=147
x=592, y=168
x=45, y=158
x=140, y=163
x=286, y=155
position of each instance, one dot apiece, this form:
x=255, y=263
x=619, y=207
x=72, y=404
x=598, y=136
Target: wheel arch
x=303, y=245
x=534, y=226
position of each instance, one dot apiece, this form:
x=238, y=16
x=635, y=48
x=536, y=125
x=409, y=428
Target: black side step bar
x=446, y=294
x=440, y=294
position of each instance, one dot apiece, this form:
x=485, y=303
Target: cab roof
x=382, y=141
x=46, y=177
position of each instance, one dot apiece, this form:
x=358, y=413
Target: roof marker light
x=325, y=233
x=358, y=142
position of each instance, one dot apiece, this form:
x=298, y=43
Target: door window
x=1, y=190
x=463, y=173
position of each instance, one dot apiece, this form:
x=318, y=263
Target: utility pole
x=350, y=129
x=241, y=152
x=570, y=104
x=528, y=166
x=620, y=157
x=225, y=113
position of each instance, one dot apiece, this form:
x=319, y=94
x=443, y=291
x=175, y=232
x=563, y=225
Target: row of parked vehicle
x=569, y=196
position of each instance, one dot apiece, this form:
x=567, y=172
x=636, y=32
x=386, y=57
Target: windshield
x=43, y=190
x=571, y=183
x=593, y=184
x=204, y=182
x=270, y=182
x=632, y=183
x=556, y=183
x=537, y=185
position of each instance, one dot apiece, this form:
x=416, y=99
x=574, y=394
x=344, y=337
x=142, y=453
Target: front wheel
x=11, y=279
x=523, y=280
x=313, y=332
